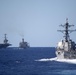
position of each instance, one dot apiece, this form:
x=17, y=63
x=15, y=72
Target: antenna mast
x=5, y=40
x=66, y=31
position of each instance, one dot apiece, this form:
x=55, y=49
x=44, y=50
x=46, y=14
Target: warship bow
x=66, y=48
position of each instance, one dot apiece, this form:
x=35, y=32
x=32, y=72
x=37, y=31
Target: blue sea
x=14, y=61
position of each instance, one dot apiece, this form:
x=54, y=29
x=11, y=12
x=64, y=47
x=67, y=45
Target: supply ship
x=5, y=43
x=66, y=48
x=23, y=44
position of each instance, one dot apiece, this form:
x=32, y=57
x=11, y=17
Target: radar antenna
x=66, y=31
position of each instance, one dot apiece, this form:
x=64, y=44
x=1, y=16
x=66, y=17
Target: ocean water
x=14, y=61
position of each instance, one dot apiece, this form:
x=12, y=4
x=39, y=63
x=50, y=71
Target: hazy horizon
x=37, y=21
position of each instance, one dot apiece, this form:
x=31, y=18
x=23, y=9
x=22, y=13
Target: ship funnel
x=22, y=39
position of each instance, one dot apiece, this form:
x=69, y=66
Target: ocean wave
x=47, y=59
x=72, y=61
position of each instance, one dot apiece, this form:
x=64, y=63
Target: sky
x=37, y=21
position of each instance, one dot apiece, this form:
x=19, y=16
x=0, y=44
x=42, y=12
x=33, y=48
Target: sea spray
x=71, y=61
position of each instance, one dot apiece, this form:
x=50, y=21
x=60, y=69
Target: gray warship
x=5, y=43
x=66, y=48
x=23, y=44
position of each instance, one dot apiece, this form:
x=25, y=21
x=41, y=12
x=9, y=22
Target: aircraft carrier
x=5, y=43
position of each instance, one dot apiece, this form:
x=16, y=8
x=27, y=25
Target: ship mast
x=66, y=31
x=5, y=40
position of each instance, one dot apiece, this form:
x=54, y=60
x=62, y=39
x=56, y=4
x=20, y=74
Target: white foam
x=72, y=61
x=47, y=59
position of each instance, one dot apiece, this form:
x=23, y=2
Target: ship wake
x=71, y=61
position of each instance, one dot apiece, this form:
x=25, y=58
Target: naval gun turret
x=66, y=48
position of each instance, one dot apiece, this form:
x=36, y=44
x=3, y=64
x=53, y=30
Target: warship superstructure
x=5, y=43
x=66, y=48
x=23, y=44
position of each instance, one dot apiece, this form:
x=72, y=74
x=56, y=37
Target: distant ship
x=66, y=48
x=23, y=44
x=5, y=43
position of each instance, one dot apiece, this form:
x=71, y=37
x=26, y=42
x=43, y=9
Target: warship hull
x=23, y=44
x=4, y=45
x=66, y=54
